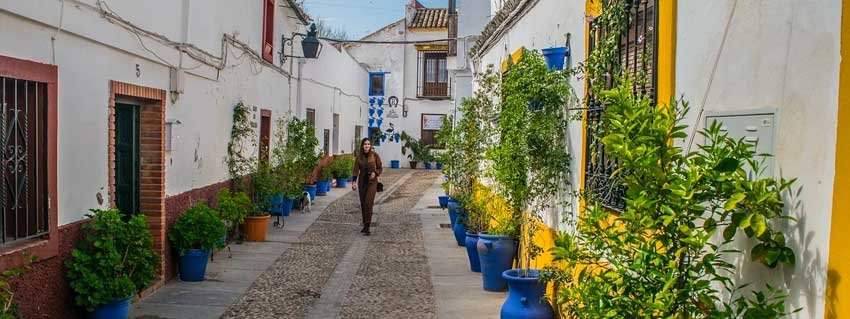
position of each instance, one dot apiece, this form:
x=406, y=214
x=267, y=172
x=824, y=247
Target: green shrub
x=342, y=167
x=197, y=228
x=266, y=184
x=115, y=260
x=233, y=207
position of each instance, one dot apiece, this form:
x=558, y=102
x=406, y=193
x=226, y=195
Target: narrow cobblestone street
x=329, y=270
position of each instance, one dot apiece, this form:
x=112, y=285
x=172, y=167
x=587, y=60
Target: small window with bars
x=268, y=30
x=637, y=61
x=23, y=149
x=433, y=75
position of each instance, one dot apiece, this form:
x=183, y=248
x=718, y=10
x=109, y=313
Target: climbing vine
x=240, y=150
x=530, y=160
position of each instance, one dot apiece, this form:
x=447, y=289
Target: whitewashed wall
x=90, y=51
x=401, y=61
x=544, y=26
x=781, y=55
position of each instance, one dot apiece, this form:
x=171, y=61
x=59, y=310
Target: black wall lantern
x=310, y=44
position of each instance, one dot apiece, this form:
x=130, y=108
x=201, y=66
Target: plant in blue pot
x=114, y=261
x=233, y=208
x=530, y=165
x=194, y=235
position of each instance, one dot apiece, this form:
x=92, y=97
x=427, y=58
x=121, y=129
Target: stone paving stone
x=394, y=280
x=295, y=281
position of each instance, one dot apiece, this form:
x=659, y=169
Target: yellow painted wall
x=838, y=273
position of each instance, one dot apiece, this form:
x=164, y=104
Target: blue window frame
x=377, y=83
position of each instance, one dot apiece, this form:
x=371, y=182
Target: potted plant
x=414, y=149
x=301, y=152
x=267, y=197
x=341, y=169
x=194, y=235
x=323, y=185
x=233, y=208
x=115, y=260
x=531, y=164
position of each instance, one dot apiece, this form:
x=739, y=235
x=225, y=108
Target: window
x=431, y=123
x=311, y=117
x=268, y=30
x=638, y=61
x=23, y=141
x=376, y=84
x=434, y=74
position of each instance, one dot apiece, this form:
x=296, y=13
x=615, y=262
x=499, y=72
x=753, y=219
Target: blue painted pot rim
x=494, y=237
x=555, y=50
x=197, y=252
x=472, y=234
x=513, y=275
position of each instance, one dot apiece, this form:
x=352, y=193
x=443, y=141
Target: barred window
x=638, y=61
x=434, y=74
x=23, y=147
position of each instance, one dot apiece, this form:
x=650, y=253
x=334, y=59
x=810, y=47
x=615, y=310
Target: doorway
x=327, y=140
x=127, y=158
x=336, y=134
x=265, y=135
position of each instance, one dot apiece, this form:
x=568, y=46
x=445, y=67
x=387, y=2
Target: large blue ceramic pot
x=427, y=165
x=323, y=187
x=193, y=265
x=286, y=207
x=525, y=296
x=459, y=230
x=395, y=164
x=276, y=205
x=454, y=209
x=311, y=190
x=341, y=182
x=472, y=252
x=496, y=253
x=444, y=201
x=118, y=309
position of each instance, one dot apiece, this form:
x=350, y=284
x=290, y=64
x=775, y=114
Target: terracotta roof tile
x=430, y=18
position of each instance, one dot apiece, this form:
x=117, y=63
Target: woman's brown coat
x=366, y=186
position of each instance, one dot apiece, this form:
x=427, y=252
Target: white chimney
x=410, y=11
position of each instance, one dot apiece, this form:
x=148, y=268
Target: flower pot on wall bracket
x=555, y=58
x=526, y=298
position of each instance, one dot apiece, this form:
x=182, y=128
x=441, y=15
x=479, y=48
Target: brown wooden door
x=265, y=133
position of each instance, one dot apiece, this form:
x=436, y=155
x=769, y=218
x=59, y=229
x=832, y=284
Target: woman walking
x=367, y=168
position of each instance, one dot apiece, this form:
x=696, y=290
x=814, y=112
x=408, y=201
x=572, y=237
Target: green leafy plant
x=266, y=183
x=287, y=168
x=298, y=154
x=197, y=228
x=657, y=258
x=115, y=260
x=531, y=161
x=233, y=208
x=341, y=167
x=8, y=305
x=414, y=149
x=240, y=158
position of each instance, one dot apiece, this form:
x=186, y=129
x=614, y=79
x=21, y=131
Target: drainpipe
x=299, y=108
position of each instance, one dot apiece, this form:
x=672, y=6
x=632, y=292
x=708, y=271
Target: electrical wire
x=392, y=42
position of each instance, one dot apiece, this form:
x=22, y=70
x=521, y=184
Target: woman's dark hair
x=362, y=142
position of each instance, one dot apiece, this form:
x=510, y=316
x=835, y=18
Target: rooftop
x=427, y=18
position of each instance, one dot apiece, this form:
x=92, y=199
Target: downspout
x=299, y=107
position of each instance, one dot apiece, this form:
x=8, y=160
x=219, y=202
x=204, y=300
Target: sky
x=361, y=17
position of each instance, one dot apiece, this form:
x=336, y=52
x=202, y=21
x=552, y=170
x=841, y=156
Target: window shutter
x=268, y=30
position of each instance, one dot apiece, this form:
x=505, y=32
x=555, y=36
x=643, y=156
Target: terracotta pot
x=256, y=227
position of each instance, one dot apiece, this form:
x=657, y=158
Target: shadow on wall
x=810, y=271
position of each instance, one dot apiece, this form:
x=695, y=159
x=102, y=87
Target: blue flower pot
x=427, y=165
x=341, y=182
x=193, y=265
x=459, y=230
x=276, y=205
x=444, y=201
x=496, y=253
x=395, y=164
x=323, y=187
x=526, y=298
x=555, y=57
x=472, y=252
x=310, y=189
x=440, y=166
x=118, y=309
x=454, y=210
x=286, y=207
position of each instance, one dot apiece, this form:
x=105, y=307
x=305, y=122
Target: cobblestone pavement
x=392, y=278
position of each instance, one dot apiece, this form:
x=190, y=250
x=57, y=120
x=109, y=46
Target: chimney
x=410, y=11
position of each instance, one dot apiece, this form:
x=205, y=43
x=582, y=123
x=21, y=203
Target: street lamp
x=311, y=45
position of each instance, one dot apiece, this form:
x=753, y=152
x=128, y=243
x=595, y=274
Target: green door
x=127, y=158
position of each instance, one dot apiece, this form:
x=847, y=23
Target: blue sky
x=361, y=17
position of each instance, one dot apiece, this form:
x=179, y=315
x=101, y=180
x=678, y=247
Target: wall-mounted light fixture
x=311, y=45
